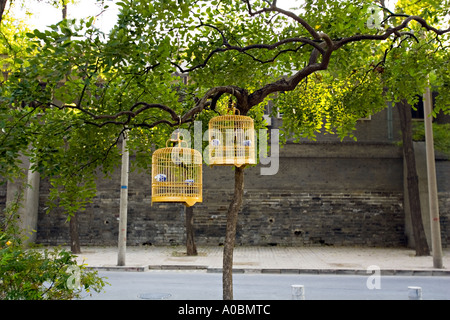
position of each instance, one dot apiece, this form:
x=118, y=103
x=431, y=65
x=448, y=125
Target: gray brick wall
x=289, y=218
x=346, y=196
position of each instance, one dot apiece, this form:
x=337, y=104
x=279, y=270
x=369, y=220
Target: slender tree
x=191, y=248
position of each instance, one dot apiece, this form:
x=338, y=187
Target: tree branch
x=290, y=83
x=390, y=31
x=212, y=96
x=274, y=8
x=244, y=50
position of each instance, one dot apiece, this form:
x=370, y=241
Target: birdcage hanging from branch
x=177, y=174
x=231, y=140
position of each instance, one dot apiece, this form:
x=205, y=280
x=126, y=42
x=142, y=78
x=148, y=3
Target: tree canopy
x=72, y=90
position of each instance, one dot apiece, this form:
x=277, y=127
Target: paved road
x=199, y=285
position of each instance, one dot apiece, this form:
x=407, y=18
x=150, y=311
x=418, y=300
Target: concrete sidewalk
x=339, y=260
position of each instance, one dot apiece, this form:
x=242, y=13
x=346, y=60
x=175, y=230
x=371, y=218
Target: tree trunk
x=191, y=248
x=74, y=237
x=2, y=8
x=230, y=236
x=64, y=11
x=420, y=240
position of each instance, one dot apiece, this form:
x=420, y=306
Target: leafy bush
x=40, y=274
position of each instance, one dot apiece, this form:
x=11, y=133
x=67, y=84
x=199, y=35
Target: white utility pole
x=436, y=245
x=123, y=203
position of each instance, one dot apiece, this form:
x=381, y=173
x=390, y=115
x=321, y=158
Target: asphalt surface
x=165, y=273
x=201, y=285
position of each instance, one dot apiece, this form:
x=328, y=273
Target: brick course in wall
x=444, y=217
x=287, y=218
x=279, y=218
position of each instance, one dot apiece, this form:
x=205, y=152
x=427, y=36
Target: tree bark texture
x=64, y=11
x=191, y=248
x=421, y=245
x=230, y=236
x=2, y=8
x=74, y=236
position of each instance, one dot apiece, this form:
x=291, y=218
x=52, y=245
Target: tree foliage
x=39, y=274
x=73, y=90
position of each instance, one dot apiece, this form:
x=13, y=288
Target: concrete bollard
x=298, y=292
x=415, y=293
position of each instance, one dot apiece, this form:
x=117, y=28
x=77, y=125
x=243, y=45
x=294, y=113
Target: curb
x=383, y=272
x=118, y=268
x=177, y=267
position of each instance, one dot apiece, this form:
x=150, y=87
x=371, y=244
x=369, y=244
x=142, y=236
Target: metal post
x=298, y=292
x=390, y=128
x=436, y=245
x=31, y=205
x=415, y=293
x=123, y=203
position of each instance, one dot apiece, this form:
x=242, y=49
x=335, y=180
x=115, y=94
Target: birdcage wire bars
x=231, y=140
x=177, y=175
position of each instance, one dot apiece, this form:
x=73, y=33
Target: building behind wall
x=325, y=193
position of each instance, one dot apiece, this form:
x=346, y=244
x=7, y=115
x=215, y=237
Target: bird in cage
x=215, y=142
x=190, y=189
x=161, y=177
x=180, y=160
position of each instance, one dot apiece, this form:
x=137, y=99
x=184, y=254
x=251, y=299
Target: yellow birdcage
x=177, y=175
x=231, y=140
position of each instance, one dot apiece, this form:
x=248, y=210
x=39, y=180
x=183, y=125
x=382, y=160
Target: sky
x=44, y=14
